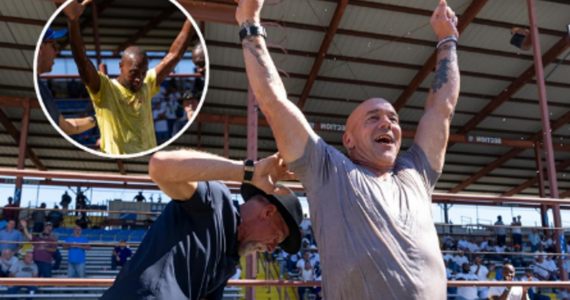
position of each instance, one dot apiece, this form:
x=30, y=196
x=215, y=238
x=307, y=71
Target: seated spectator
x=55, y=217
x=292, y=261
x=10, y=234
x=6, y=261
x=543, y=269
x=39, y=217
x=306, y=274
x=76, y=260
x=540, y=251
x=42, y=252
x=549, y=244
x=9, y=214
x=472, y=246
x=463, y=244
x=460, y=259
x=121, y=254
x=318, y=289
x=484, y=244
x=466, y=293
x=24, y=269
x=237, y=275
x=314, y=257
x=301, y=262
x=532, y=292
x=482, y=274
x=512, y=293
x=448, y=242
x=534, y=240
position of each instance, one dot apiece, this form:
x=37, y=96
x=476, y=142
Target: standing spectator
x=172, y=104
x=160, y=122
x=76, y=260
x=512, y=293
x=55, y=217
x=139, y=198
x=65, y=201
x=307, y=273
x=6, y=262
x=9, y=234
x=534, y=239
x=532, y=294
x=39, y=217
x=500, y=231
x=9, y=214
x=482, y=273
x=517, y=234
x=466, y=293
x=24, y=269
x=120, y=256
x=42, y=252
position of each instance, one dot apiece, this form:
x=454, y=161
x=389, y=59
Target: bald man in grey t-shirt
x=371, y=211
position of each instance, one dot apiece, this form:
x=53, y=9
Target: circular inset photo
x=121, y=80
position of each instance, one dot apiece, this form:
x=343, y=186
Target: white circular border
x=157, y=148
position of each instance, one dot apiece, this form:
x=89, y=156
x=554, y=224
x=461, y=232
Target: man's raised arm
x=177, y=172
x=290, y=128
x=433, y=130
x=87, y=70
x=176, y=53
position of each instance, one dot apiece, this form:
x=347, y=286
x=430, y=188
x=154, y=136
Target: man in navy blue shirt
x=192, y=249
x=46, y=58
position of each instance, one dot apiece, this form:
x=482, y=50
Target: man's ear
x=347, y=141
x=269, y=211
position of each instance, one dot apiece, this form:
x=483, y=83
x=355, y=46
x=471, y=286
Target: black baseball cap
x=289, y=207
x=189, y=95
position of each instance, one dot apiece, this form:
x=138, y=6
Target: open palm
x=75, y=9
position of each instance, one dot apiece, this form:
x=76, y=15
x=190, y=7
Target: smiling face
x=133, y=66
x=199, y=59
x=373, y=134
x=508, y=272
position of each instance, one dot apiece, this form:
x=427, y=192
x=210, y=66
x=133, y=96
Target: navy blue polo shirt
x=49, y=102
x=190, y=252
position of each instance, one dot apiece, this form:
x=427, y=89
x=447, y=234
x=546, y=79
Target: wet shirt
x=376, y=236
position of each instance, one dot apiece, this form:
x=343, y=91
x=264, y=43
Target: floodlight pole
x=547, y=136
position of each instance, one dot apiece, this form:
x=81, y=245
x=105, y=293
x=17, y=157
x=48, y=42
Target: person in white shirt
x=463, y=243
x=543, y=269
x=517, y=234
x=549, y=244
x=472, y=246
x=160, y=122
x=540, y=251
x=564, y=294
x=314, y=256
x=460, y=259
x=500, y=231
x=482, y=273
x=301, y=262
x=306, y=274
x=6, y=261
x=484, y=243
x=532, y=292
x=466, y=293
x=512, y=293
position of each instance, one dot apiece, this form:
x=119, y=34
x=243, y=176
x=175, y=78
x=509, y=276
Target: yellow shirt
x=125, y=118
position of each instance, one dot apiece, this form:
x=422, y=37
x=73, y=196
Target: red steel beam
x=18, y=46
x=323, y=50
x=464, y=21
x=22, y=20
x=121, y=167
x=529, y=183
x=163, y=16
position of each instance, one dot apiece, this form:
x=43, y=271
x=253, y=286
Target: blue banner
x=562, y=241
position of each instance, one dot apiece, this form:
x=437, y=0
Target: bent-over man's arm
x=176, y=53
x=87, y=70
x=289, y=125
x=177, y=173
x=433, y=130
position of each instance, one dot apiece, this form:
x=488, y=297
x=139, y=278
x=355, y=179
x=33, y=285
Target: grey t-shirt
x=22, y=270
x=376, y=236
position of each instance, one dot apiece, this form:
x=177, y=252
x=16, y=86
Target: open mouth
x=384, y=139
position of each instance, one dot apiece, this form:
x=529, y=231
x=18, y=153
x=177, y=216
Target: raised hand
x=248, y=12
x=443, y=21
x=269, y=171
x=24, y=223
x=75, y=9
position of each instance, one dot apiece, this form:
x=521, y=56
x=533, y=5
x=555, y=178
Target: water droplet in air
x=325, y=9
x=369, y=43
x=409, y=33
x=504, y=119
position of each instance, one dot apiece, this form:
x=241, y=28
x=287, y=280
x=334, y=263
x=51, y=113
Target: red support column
x=95, y=16
x=541, y=188
x=227, y=137
x=547, y=137
x=22, y=150
x=250, y=260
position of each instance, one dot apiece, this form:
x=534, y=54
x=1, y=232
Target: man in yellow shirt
x=123, y=105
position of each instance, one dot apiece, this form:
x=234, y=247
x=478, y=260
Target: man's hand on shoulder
x=269, y=171
x=444, y=22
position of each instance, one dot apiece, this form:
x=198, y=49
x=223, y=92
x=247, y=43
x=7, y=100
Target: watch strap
x=252, y=30
x=248, y=168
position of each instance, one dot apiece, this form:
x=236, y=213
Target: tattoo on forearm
x=441, y=74
x=255, y=49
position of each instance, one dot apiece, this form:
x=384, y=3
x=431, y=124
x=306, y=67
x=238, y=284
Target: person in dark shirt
x=120, y=255
x=55, y=217
x=192, y=249
x=65, y=200
x=139, y=198
x=189, y=102
x=9, y=214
